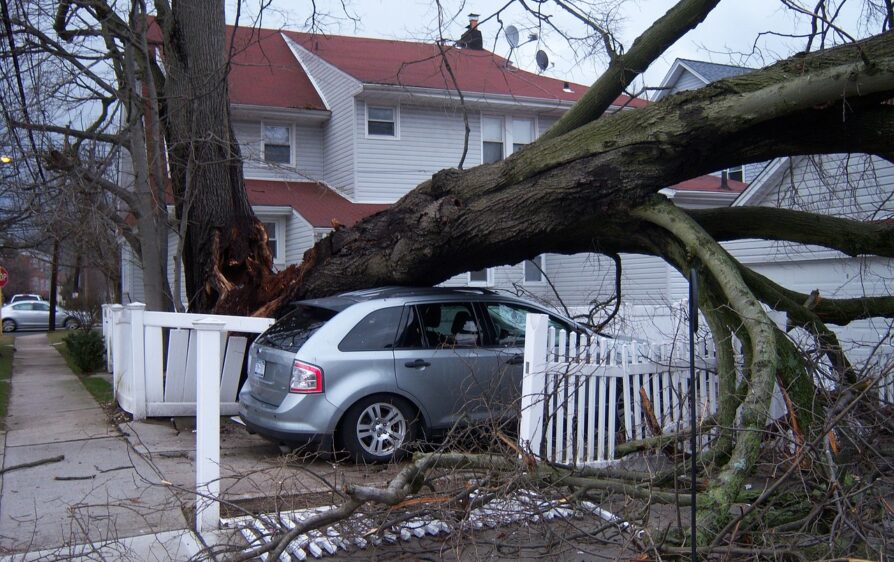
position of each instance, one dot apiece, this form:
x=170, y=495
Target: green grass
x=6, y=344
x=98, y=387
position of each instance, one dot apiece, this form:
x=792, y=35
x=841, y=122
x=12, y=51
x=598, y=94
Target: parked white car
x=35, y=315
x=24, y=297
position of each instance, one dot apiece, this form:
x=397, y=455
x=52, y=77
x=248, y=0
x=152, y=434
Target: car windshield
x=293, y=329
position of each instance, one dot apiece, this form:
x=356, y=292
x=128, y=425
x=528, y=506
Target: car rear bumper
x=298, y=419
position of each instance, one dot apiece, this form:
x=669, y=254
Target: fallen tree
x=608, y=168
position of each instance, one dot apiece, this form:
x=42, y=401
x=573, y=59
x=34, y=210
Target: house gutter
x=243, y=111
x=475, y=99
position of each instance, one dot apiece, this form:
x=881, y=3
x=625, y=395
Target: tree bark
x=225, y=244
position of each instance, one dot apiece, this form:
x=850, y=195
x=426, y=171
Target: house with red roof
x=335, y=128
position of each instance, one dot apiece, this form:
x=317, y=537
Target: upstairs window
x=277, y=144
x=522, y=132
x=498, y=133
x=381, y=121
x=491, y=139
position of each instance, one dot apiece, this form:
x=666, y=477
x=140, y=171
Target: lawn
x=6, y=351
x=100, y=388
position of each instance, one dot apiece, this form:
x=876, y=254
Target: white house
x=336, y=128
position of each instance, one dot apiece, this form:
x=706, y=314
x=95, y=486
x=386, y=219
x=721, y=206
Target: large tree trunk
x=225, y=244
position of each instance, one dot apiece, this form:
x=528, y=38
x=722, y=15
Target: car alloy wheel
x=378, y=428
x=9, y=325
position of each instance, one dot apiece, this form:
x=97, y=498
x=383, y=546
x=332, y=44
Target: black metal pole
x=693, y=441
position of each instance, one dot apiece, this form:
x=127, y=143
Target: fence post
x=208, y=423
x=533, y=398
x=137, y=359
x=113, y=349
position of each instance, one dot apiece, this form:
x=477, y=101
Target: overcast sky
x=732, y=33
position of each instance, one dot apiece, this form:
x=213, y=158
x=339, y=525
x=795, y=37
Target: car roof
x=344, y=300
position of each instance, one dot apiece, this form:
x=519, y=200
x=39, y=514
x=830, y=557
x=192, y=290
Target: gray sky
x=730, y=35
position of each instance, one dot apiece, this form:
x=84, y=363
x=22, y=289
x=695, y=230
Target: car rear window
x=292, y=330
x=375, y=332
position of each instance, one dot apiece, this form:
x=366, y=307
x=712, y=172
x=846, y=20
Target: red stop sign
x=4, y=276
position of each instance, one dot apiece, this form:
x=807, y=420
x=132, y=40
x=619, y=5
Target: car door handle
x=417, y=364
x=515, y=360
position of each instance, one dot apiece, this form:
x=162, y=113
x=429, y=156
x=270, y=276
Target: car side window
x=40, y=306
x=440, y=325
x=22, y=306
x=375, y=332
x=509, y=323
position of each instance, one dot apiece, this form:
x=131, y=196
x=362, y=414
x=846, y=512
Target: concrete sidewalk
x=125, y=488
x=99, y=491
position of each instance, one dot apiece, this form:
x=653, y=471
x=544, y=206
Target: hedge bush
x=87, y=350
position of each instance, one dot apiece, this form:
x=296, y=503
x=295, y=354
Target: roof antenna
x=512, y=37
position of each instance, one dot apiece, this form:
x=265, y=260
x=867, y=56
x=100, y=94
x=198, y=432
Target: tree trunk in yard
x=225, y=244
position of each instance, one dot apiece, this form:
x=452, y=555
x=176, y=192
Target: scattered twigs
x=31, y=464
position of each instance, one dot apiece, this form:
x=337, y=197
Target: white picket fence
x=154, y=377
x=197, y=346
x=578, y=391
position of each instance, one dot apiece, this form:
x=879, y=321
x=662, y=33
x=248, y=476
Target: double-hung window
x=381, y=121
x=278, y=144
x=498, y=133
x=275, y=242
x=491, y=139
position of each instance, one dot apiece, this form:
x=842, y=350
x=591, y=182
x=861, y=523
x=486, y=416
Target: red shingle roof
x=265, y=72
x=315, y=202
x=710, y=183
x=411, y=64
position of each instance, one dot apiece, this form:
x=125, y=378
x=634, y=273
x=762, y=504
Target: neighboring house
x=854, y=186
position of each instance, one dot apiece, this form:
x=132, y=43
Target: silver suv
x=370, y=371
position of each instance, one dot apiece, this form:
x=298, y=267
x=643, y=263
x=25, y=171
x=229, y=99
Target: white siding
x=429, y=139
x=307, y=152
x=855, y=186
x=131, y=277
x=686, y=81
x=338, y=134
x=299, y=237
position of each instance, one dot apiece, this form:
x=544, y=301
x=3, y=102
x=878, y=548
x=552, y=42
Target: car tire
x=71, y=324
x=378, y=429
x=9, y=325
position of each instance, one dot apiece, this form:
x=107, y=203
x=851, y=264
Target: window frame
x=489, y=282
x=291, y=130
x=542, y=274
x=396, y=121
x=279, y=238
x=506, y=125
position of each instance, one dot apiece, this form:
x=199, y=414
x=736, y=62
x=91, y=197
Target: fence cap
x=135, y=306
x=210, y=325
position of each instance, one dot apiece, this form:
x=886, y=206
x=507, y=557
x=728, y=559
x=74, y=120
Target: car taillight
x=306, y=378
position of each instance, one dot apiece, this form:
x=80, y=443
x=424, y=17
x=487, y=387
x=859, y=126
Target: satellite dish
x=542, y=60
x=511, y=34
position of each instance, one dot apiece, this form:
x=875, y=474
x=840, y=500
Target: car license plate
x=260, y=368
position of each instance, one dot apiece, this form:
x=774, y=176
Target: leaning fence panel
x=574, y=404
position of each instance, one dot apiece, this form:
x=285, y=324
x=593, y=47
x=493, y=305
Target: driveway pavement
x=72, y=478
